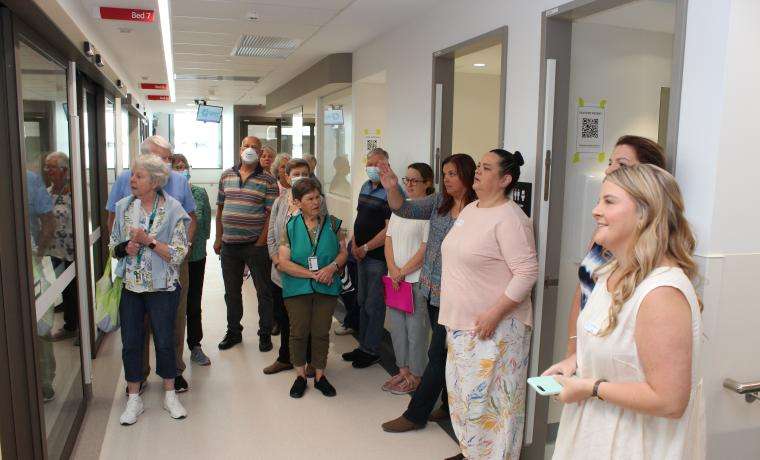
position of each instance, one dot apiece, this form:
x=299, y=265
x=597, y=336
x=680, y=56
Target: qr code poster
x=370, y=143
x=590, y=130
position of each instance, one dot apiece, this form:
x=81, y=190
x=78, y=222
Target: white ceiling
x=490, y=56
x=650, y=15
x=204, y=33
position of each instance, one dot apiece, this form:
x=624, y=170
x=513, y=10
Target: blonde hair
x=662, y=232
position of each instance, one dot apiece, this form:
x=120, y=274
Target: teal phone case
x=545, y=386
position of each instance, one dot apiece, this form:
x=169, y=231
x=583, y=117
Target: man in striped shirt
x=246, y=194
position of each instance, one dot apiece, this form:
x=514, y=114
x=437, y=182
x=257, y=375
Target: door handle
x=748, y=389
x=547, y=173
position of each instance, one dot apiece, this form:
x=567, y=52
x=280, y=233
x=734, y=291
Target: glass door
x=91, y=134
x=48, y=203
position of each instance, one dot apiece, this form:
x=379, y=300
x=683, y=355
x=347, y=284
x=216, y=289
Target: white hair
x=309, y=157
x=61, y=159
x=155, y=167
x=158, y=141
x=278, y=161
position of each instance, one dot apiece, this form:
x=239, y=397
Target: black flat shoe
x=229, y=342
x=365, y=360
x=180, y=384
x=324, y=386
x=352, y=355
x=298, y=388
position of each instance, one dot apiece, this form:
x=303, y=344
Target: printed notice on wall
x=589, y=134
x=371, y=140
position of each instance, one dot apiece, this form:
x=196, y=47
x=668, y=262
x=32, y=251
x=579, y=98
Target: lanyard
x=316, y=238
x=150, y=225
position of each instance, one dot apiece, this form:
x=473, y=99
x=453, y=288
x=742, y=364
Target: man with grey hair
x=368, y=248
x=178, y=188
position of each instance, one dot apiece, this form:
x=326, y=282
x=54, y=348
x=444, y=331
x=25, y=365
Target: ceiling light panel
x=265, y=47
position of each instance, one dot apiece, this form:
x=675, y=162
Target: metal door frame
x=556, y=30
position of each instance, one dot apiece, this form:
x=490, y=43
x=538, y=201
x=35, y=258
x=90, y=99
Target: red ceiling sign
x=158, y=97
x=127, y=14
x=161, y=86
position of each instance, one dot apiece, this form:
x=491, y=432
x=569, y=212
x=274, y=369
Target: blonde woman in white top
x=637, y=393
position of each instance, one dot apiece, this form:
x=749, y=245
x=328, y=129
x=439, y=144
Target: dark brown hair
x=304, y=187
x=647, y=150
x=427, y=175
x=465, y=167
x=509, y=164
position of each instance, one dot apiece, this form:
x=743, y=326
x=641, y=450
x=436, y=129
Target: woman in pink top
x=489, y=268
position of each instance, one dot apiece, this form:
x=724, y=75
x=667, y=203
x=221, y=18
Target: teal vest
x=301, y=249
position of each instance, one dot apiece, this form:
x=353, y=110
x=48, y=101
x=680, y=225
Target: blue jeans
x=371, y=304
x=161, y=308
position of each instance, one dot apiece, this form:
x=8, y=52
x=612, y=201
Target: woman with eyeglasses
x=405, y=244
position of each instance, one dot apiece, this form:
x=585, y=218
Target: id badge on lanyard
x=312, y=260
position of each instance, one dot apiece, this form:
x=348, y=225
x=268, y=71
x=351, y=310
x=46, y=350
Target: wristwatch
x=152, y=244
x=365, y=248
x=335, y=264
x=595, y=391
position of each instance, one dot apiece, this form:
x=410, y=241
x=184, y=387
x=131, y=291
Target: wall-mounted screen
x=334, y=116
x=209, y=114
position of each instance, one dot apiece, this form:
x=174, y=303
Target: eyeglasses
x=412, y=181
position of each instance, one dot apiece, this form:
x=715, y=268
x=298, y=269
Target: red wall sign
x=157, y=97
x=162, y=86
x=127, y=14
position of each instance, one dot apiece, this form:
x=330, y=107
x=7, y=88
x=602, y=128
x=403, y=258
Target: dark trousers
x=283, y=320
x=371, y=304
x=161, y=308
x=349, y=298
x=433, y=381
x=194, y=310
x=234, y=259
x=310, y=320
x=70, y=308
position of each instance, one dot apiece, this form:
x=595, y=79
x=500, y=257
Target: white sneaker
x=173, y=406
x=134, y=408
x=342, y=330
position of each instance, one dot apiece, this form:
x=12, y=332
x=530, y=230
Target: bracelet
x=595, y=391
x=365, y=248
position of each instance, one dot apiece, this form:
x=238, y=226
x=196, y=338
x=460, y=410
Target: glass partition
x=110, y=143
x=51, y=238
x=335, y=160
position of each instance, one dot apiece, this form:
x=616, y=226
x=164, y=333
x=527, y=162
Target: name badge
x=313, y=264
x=591, y=328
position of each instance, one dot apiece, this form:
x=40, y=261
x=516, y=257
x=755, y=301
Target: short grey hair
x=278, y=161
x=155, y=167
x=159, y=141
x=378, y=151
x=61, y=159
x=309, y=157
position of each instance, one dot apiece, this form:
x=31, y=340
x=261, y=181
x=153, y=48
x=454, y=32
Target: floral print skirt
x=486, y=380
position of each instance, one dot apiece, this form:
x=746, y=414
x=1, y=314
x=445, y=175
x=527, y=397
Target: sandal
x=392, y=382
x=406, y=387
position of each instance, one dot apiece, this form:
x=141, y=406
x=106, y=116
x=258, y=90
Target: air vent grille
x=265, y=47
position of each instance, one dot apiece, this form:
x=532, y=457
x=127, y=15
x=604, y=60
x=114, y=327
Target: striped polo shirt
x=246, y=205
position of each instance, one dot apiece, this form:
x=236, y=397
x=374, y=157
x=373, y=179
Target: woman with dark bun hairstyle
x=489, y=268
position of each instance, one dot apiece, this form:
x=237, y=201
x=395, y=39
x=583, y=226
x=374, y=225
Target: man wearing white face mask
x=246, y=195
x=368, y=245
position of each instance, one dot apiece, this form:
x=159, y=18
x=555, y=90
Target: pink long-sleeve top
x=488, y=252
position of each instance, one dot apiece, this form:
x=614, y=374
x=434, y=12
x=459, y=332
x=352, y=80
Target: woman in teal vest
x=312, y=255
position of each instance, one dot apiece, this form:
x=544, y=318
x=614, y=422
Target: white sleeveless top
x=595, y=429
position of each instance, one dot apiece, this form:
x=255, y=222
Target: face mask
x=294, y=180
x=186, y=173
x=373, y=172
x=249, y=156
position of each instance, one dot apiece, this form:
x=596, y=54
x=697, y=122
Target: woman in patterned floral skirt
x=489, y=268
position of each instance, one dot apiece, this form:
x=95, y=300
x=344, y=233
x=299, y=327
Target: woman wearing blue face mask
x=197, y=263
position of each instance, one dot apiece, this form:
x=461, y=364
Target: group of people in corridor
x=464, y=258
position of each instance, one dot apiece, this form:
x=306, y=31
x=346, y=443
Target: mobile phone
x=545, y=386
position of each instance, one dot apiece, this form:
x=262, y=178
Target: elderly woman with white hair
x=278, y=171
x=150, y=241
x=178, y=188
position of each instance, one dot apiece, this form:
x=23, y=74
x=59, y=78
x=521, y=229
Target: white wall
x=718, y=170
x=476, y=113
x=370, y=112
